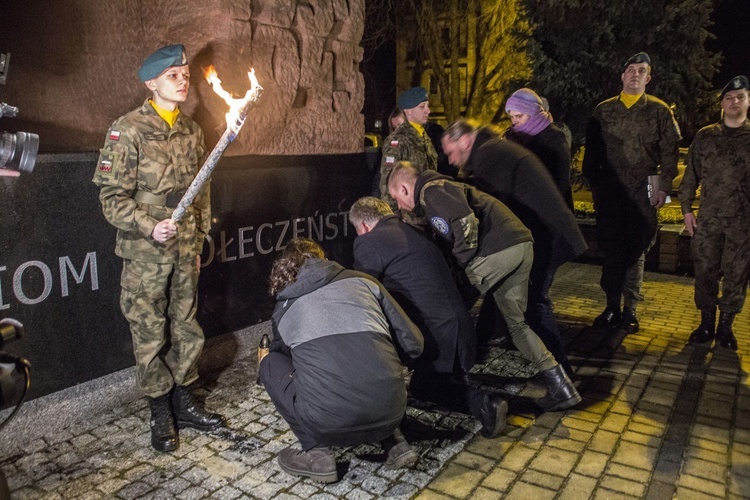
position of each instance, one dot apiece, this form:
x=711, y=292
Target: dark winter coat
x=345, y=333
x=512, y=174
x=412, y=268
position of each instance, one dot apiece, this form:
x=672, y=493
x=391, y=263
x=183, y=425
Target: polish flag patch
x=105, y=166
x=114, y=135
x=394, y=144
x=390, y=160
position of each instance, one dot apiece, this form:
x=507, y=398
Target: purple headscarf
x=527, y=101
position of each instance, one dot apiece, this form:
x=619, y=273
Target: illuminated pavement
x=660, y=419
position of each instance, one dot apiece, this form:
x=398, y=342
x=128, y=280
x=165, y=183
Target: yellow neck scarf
x=629, y=99
x=420, y=128
x=169, y=116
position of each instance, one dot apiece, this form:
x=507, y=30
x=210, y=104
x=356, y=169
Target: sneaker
x=400, y=452
x=318, y=464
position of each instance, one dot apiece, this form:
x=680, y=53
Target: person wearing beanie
x=630, y=161
x=533, y=128
x=410, y=141
x=150, y=157
x=719, y=160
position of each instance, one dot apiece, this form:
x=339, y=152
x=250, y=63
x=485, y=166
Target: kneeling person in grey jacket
x=334, y=372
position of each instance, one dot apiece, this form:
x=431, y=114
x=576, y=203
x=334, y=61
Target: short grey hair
x=460, y=128
x=369, y=210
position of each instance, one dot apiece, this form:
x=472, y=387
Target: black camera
x=17, y=149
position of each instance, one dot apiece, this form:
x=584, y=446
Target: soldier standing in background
x=630, y=138
x=409, y=142
x=719, y=160
x=149, y=159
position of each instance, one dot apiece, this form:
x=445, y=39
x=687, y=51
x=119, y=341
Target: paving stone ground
x=660, y=419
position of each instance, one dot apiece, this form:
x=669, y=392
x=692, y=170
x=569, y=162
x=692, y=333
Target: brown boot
x=400, y=452
x=318, y=464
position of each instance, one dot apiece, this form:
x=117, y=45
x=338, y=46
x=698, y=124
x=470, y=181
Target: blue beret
x=736, y=83
x=640, y=57
x=412, y=98
x=165, y=57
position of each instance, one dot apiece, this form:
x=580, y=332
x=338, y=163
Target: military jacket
x=718, y=160
x=141, y=152
x=473, y=222
x=405, y=144
x=630, y=144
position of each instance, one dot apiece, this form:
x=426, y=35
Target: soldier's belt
x=165, y=200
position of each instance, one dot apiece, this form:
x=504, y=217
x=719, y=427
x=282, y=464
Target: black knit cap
x=640, y=57
x=737, y=83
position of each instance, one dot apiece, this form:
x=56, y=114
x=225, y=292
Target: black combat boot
x=187, y=412
x=630, y=320
x=611, y=318
x=561, y=393
x=724, y=333
x=706, y=331
x=163, y=432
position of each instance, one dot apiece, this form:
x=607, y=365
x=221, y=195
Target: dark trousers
x=539, y=313
x=277, y=375
x=441, y=389
x=625, y=229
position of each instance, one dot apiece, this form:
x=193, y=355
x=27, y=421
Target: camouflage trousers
x=721, y=247
x=160, y=302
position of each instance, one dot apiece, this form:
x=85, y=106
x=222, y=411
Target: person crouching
x=333, y=372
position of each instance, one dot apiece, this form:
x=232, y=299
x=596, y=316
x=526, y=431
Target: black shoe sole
x=182, y=425
x=165, y=447
x=564, y=405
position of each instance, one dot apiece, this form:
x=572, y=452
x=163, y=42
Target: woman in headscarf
x=533, y=128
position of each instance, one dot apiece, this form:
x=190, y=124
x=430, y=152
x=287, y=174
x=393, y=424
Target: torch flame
x=235, y=104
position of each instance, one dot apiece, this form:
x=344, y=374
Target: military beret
x=736, y=83
x=165, y=57
x=412, y=98
x=640, y=57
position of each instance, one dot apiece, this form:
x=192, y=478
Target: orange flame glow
x=235, y=104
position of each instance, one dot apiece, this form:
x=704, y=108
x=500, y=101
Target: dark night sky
x=732, y=29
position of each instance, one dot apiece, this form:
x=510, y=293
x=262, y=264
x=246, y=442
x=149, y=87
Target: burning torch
x=238, y=109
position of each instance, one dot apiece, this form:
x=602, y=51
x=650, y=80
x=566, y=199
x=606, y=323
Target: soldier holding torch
x=149, y=158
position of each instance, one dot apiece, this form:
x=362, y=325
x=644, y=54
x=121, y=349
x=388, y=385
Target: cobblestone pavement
x=659, y=419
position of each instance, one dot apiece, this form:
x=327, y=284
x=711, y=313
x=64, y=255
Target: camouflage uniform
x=623, y=147
x=405, y=144
x=143, y=154
x=719, y=159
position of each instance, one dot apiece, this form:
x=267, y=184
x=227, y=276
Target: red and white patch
x=114, y=135
x=390, y=160
x=105, y=166
x=394, y=144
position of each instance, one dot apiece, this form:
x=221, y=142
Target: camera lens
x=18, y=151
